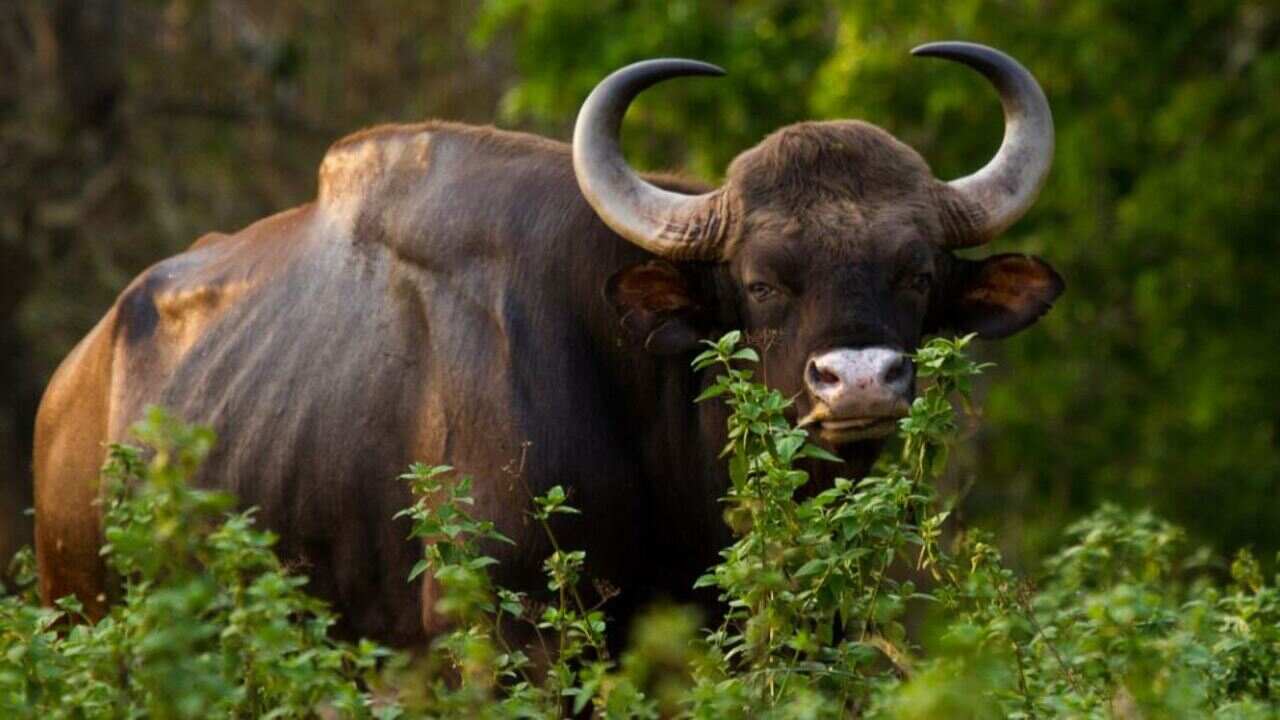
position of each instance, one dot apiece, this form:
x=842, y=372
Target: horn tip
x=673, y=67
x=947, y=48
x=704, y=68
x=979, y=57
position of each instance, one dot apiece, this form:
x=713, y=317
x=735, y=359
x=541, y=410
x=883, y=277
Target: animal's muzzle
x=858, y=394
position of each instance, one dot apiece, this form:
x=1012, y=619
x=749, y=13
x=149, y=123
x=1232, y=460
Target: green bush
x=208, y=622
x=818, y=592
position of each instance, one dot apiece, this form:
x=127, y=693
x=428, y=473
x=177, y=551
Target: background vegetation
x=130, y=127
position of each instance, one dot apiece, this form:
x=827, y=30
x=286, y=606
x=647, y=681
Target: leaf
x=813, y=567
x=788, y=445
x=738, y=469
x=818, y=453
x=707, y=580
x=712, y=391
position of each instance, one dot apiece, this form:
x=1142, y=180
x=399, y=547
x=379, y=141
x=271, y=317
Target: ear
x=656, y=307
x=1000, y=295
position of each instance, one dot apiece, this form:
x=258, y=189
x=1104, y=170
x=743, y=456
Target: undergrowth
x=819, y=591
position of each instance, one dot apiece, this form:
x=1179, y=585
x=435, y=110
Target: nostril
x=898, y=371
x=819, y=377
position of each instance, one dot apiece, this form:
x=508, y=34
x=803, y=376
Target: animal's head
x=830, y=244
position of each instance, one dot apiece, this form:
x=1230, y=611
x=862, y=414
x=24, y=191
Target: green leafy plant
x=855, y=600
x=569, y=633
x=208, y=623
x=814, y=611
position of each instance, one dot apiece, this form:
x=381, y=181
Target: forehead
x=845, y=187
x=838, y=232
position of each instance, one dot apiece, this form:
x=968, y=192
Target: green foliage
x=815, y=610
x=1123, y=621
x=568, y=631
x=820, y=590
x=208, y=623
x=771, y=48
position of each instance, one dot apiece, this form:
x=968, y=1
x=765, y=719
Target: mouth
x=848, y=429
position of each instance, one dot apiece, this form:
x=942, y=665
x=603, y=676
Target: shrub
x=208, y=623
x=1124, y=621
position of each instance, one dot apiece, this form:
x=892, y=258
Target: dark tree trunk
x=85, y=66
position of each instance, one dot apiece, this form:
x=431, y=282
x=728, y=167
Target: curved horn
x=1005, y=187
x=668, y=224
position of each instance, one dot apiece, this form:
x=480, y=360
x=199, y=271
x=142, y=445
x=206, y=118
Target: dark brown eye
x=921, y=282
x=761, y=291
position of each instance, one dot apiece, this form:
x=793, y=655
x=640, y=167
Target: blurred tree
x=128, y=128
x=1153, y=381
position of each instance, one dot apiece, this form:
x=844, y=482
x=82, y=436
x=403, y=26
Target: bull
x=464, y=295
